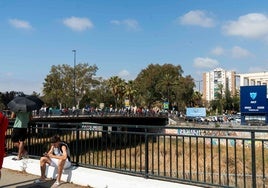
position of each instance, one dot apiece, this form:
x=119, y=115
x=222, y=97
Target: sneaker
x=56, y=184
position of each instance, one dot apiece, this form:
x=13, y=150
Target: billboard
x=253, y=99
x=196, y=112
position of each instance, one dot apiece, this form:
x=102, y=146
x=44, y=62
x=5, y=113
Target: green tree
x=163, y=83
x=219, y=99
x=117, y=86
x=185, y=92
x=196, y=99
x=58, y=87
x=130, y=92
x=100, y=93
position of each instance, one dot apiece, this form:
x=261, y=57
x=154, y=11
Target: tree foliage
x=63, y=86
x=164, y=83
x=117, y=86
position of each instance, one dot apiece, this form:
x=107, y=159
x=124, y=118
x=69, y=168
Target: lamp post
x=74, y=51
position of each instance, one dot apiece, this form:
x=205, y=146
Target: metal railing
x=206, y=156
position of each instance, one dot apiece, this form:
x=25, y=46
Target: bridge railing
x=222, y=157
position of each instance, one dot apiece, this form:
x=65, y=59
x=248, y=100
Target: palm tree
x=130, y=91
x=196, y=98
x=117, y=87
x=166, y=87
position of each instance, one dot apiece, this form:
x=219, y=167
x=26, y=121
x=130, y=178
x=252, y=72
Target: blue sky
x=122, y=37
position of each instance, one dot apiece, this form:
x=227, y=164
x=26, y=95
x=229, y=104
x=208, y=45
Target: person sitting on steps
x=58, y=156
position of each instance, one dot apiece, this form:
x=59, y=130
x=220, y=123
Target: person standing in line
x=19, y=133
x=58, y=156
x=3, y=129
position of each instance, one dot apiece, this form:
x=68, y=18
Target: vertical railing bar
x=111, y=148
x=263, y=164
x=102, y=148
x=196, y=156
x=152, y=156
x=83, y=132
x=97, y=146
x=190, y=153
x=125, y=149
x=235, y=153
x=140, y=153
x=253, y=157
x=244, y=164
x=219, y=160
x=183, y=158
x=212, y=160
x=164, y=153
x=227, y=161
x=204, y=158
x=77, y=144
x=115, y=148
x=170, y=156
x=106, y=146
x=130, y=151
x=135, y=151
x=158, y=157
x=177, y=158
x=146, y=154
x=93, y=148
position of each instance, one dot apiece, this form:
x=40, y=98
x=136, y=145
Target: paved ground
x=16, y=179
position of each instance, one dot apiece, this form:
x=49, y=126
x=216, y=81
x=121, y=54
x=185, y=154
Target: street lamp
x=74, y=51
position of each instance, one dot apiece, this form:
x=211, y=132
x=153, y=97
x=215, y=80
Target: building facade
x=214, y=79
x=230, y=80
x=253, y=79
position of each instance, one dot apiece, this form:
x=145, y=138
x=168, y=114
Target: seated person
x=58, y=156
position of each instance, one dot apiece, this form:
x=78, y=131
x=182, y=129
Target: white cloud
x=20, y=24
x=218, y=51
x=124, y=74
x=200, y=62
x=78, y=24
x=238, y=52
x=130, y=24
x=252, y=25
x=197, y=17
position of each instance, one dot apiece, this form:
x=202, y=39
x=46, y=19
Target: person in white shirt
x=58, y=156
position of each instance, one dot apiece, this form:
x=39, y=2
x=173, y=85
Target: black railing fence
x=210, y=157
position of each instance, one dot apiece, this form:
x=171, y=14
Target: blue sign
x=196, y=112
x=253, y=99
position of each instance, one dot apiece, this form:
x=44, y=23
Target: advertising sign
x=195, y=112
x=253, y=99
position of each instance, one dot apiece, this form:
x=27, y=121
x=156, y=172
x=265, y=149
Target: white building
x=230, y=79
x=252, y=79
x=216, y=77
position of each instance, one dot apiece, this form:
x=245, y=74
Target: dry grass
x=193, y=160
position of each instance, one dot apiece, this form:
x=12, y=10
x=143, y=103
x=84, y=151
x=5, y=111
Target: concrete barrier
x=90, y=177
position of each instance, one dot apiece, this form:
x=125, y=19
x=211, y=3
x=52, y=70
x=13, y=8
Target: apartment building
x=230, y=79
x=213, y=79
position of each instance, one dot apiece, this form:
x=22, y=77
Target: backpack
x=68, y=150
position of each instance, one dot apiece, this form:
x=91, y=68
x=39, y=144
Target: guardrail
x=207, y=156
